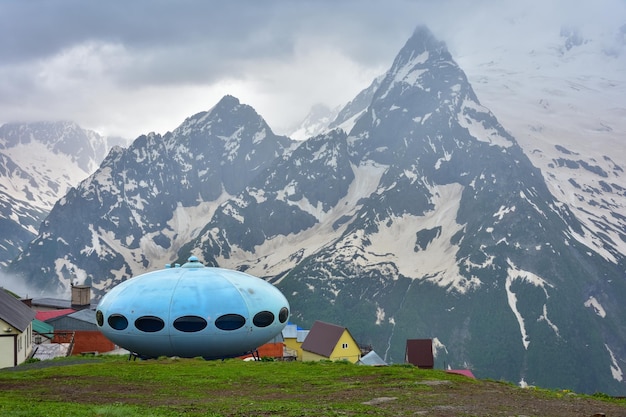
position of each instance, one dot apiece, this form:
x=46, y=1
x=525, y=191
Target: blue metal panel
x=193, y=290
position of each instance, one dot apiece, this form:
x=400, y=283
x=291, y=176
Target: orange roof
x=47, y=315
x=269, y=350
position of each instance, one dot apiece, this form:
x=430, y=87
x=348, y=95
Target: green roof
x=42, y=328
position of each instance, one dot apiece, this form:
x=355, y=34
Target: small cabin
x=327, y=341
x=419, y=352
x=293, y=337
x=16, y=330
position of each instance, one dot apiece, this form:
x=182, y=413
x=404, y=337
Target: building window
x=344, y=346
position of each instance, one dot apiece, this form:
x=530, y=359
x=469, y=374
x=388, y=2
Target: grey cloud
x=62, y=51
x=38, y=28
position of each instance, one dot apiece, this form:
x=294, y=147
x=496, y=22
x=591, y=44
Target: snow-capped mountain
x=321, y=119
x=39, y=162
x=438, y=223
x=422, y=218
x=316, y=122
x=144, y=202
x=564, y=101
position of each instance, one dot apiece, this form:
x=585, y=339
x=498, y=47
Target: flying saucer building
x=192, y=311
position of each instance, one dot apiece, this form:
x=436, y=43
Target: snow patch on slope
x=347, y=125
x=396, y=241
x=593, y=240
x=564, y=105
x=596, y=306
x=438, y=346
x=616, y=371
x=477, y=129
x=185, y=224
x=281, y=253
x=513, y=274
x=408, y=73
x=52, y=174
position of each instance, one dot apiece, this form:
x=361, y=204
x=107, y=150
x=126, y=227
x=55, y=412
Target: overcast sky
x=124, y=67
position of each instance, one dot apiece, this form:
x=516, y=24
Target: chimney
x=81, y=296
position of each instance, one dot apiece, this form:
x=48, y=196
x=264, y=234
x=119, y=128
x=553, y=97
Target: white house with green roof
x=16, y=330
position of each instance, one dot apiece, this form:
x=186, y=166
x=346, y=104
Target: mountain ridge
x=180, y=173
x=39, y=162
x=425, y=219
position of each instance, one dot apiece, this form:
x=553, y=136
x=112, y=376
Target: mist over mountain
x=416, y=214
x=564, y=103
x=315, y=123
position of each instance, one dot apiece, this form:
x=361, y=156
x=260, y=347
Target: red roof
x=47, y=315
x=465, y=372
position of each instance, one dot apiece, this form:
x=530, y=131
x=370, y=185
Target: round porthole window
x=283, y=314
x=99, y=318
x=190, y=324
x=149, y=324
x=230, y=322
x=263, y=319
x=117, y=321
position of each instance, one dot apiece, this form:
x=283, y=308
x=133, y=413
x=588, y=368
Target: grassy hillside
x=114, y=386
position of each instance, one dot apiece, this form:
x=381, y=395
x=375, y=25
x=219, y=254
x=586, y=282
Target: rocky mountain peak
x=44, y=132
x=421, y=41
x=39, y=162
x=227, y=118
x=228, y=102
x=425, y=63
x=84, y=147
x=424, y=91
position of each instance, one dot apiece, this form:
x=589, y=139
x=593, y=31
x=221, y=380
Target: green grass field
x=114, y=386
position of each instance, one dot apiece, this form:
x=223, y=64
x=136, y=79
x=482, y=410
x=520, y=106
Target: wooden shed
x=419, y=352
